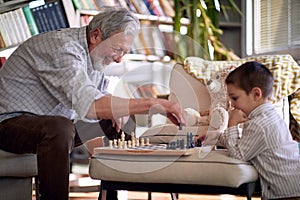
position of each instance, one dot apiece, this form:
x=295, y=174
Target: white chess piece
x=147, y=141
x=110, y=144
x=115, y=143
x=142, y=142
x=129, y=144
x=122, y=136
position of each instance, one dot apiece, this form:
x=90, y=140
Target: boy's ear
x=257, y=93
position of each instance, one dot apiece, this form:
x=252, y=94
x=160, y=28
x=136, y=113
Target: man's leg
x=52, y=139
x=88, y=131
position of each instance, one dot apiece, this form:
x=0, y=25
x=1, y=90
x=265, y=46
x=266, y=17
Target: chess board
x=160, y=150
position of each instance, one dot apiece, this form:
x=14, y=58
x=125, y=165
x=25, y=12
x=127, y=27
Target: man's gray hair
x=112, y=20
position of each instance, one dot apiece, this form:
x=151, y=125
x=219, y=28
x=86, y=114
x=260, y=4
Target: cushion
x=189, y=169
x=17, y=165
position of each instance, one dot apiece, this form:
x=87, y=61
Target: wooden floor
x=129, y=195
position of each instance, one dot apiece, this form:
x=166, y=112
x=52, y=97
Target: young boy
x=266, y=141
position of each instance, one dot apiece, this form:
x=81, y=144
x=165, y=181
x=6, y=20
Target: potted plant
x=203, y=30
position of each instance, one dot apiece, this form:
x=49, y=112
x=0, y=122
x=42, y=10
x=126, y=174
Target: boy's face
x=239, y=99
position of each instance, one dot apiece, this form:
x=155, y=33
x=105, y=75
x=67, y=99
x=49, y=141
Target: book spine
x=52, y=15
x=10, y=29
x=48, y=18
x=4, y=31
x=2, y=42
x=60, y=13
x=24, y=23
x=30, y=20
x=19, y=30
x=2, y=61
x=38, y=19
x=77, y=4
x=149, y=7
x=85, y=4
x=68, y=13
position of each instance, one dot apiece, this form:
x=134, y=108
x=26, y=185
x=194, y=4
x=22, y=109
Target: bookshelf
x=22, y=19
x=153, y=14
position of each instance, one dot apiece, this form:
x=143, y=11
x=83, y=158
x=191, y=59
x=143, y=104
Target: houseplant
x=203, y=30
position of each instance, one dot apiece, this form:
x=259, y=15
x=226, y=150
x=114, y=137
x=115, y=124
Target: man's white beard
x=98, y=64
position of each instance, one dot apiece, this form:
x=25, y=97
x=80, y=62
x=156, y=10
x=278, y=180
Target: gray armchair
x=16, y=174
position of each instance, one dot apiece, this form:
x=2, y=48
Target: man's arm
x=111, y=107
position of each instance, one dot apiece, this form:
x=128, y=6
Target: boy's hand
x=236, y=116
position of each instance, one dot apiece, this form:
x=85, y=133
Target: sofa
x=215, y=172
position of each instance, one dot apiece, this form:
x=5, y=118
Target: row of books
x=150, y=41
x=144, y=7
x=20, y=24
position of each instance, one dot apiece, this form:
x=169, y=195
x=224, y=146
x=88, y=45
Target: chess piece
x=129, y=144
x=147, y=141
x=110, y=144
x=119, y=144
x=142, y=142
x=122, y=136
x=115, y=143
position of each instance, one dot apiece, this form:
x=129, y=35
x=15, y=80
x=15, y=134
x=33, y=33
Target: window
x=276, y=26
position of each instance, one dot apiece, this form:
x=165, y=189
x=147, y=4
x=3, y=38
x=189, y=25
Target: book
x=155, y=6
x=23, y=23
x=69, y=13
x=30, y=20
x=168, y=39
x=38, y=18
x=2, y=61
x=9, y=26
x=50, y=17
x=146, y=2
x=140, y=7
x=152, y=43
x=77, y=4
x=19, y=30
x=167, y=7
x=2, y=42
x=4, y=32
x=59, y=14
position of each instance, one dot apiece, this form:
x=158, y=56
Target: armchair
x=16, y=175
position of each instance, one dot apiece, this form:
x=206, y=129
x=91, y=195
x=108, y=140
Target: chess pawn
x=129, y=144
x=110, y=144
x=142, y=142
x=115, y=143
x=147, y=141
x=137, y=142
x=119, y=144
x=133, y=143
x=125, y=145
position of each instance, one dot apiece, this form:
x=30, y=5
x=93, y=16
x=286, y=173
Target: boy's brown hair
x=252, y=74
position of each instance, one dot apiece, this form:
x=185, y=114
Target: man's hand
x=236, y=116
x=120, y=122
